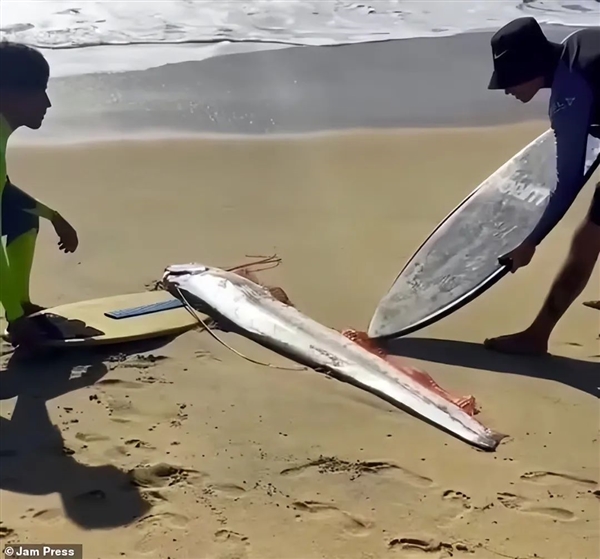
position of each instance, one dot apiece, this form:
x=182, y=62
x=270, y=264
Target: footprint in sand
x=325, y=465
x=154, y=497
x=229, y=490
x=153, y=528
x=89, y=498
x=123, y=410
x=457, y=496
x=138, y=443
x=204, y=354
x=555, y=478
x=130, y=446
x=166, y=519
x=160, y=475
x=6, y=532
x=48, y=516
x=325, y=512
x=458, y=505
x=408, y=546
x=119, y=384
x=521, y=504
x=149, y=379
x=91, y=437
x=231, y=545
x=135, y=361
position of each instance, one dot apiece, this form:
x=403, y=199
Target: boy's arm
x=68, y=240
x=43, y=211
x=571, y=123
x=38, y=207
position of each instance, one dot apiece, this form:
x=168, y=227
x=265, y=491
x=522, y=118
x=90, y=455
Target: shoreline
x=71, y=61
x=37, y=141
x=381, y=85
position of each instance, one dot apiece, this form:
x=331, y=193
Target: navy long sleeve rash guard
x=571, y=106
x=574, y=112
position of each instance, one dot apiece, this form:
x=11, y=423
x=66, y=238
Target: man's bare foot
x=32, y=308
x=522, y=343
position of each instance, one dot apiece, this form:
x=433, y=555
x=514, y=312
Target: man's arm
x=570, y=121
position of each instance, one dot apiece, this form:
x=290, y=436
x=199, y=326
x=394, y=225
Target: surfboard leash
x=197, y=316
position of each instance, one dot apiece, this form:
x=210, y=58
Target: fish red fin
x=279, y=294
x=247, y=274
x=276, y=292
x=466, y=403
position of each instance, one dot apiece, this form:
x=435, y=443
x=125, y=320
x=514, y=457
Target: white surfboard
x=459, y=260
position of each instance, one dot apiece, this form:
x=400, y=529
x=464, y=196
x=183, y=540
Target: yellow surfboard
x=114, y=320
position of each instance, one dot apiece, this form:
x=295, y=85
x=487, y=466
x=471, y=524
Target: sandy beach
x=183, y=450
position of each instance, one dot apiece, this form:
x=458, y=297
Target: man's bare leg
x=568, y=285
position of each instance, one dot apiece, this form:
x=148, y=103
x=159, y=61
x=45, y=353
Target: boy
x=24, y=74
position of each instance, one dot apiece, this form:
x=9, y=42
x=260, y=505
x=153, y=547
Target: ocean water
x=86, y=36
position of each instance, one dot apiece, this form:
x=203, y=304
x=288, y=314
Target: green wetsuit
x=19, y=215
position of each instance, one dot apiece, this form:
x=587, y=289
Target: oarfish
x=230, y=298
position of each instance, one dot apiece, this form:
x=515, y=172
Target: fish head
x=177, y=274
x=191, y=269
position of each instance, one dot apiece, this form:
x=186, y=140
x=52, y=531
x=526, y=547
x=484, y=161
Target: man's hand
x=67, y=236
x=519, y=257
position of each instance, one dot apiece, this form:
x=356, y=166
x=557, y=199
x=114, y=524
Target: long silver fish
x=249, y=307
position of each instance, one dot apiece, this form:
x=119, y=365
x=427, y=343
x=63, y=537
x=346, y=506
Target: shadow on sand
x=582, y=375
x=33, y=458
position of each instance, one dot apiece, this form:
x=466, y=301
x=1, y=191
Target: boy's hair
x=22, y=67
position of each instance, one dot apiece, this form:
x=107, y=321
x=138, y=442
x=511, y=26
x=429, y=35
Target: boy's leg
x=568, y=285
x=21, y=229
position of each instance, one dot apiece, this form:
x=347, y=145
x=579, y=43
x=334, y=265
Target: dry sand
x=232, y=460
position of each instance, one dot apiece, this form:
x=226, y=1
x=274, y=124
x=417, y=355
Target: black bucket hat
x=521, y=53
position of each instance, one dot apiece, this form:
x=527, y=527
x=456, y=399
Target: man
x=525, y=62
x=24, y=75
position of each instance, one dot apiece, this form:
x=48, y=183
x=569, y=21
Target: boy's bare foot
x=522, y=343
x=25, y=333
